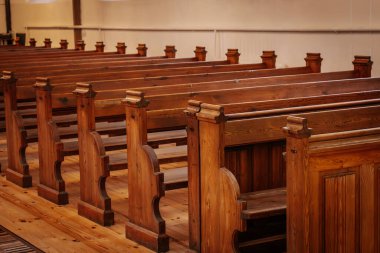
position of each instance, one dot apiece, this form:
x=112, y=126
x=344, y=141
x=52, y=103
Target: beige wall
x=338, y=49
x=3, y=26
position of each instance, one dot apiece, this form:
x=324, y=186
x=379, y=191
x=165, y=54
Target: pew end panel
x=145, y=181
x=337, y=176
x=18, y=169
x=93, y=161
x=50, y=147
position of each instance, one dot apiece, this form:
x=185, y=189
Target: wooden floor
x=55, y=228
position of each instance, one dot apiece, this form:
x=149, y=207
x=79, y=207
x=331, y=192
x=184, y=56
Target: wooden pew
x=232, y=154
x=18, y=164
x=162, y=117
x=332, y=186
x=94, y=153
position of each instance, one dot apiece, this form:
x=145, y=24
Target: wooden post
x=314, y=61
x=50, y=149
x=141, y=50
x=18, y=169
x=47, y=43
x=64, y=44
x=80, y=45
x=32, y=42
x=145, y=181
x=194, y=174
x=269, y=58
x=297, y=215
x=170, y=51
x=200, y=53
x=77, y=19
x=362, y=66
x=93, y=163
x=121, y=47
x=8, y=15
x=233, y=56
x=99, y=47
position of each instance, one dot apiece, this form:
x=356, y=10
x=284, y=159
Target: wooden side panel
x=340, y=211
x=50, y=148
x=18, y=169
x=145, y=182
x=93, y=162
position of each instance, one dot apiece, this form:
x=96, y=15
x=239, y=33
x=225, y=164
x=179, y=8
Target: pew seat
x=264, y=203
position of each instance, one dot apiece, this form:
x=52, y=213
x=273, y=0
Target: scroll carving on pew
x=94, y=201
x=145, y=224
x=18, y=169
x=51, y=186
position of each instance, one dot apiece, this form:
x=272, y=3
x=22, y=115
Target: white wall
x=3, y=25
x=338, y=49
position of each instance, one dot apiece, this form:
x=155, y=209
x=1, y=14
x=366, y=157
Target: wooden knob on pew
x=99, y=47
x=17, y=41
x=269, y=59
x=80, y=45
x=170, y=51
x=314, y=60
x=297, y=127
x=141, y=49
x=200, y=53
x=47, y=43
x=32, y=42
x=233, y=56
x=362, y=66
x=64, y=44
x=121, y=48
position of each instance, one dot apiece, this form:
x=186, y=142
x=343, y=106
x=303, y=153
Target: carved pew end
x=100, y=216
x=170, y=51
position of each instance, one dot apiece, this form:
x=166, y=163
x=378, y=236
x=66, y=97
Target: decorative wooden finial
x=314, y=61
x=193, y=108
x=135, y=99
x=297, y=127
x=32, y=42
x=64, y=44
x=200, y=53
x=84, y=90
x=42, y=83
x=80, y=45
x=362, y=66
x=170, y=51
x=99, y=46
x=121, y=48
x=141, y=50
x=269, y=58
x=211, y=113
x=8, y=75
x=233, y=56
x=47, y=43
x=17, y=41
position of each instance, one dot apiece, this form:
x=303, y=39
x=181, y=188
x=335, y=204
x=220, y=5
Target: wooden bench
x=49, y=102
x=333, y=205
x=233, y=158
x=11, y=92
x=165, y=117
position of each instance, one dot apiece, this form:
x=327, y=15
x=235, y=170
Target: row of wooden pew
x=230, y=134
